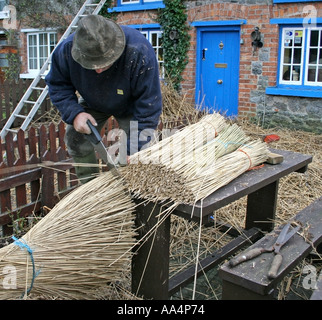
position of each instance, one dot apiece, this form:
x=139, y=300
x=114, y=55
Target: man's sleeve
x=147, y=102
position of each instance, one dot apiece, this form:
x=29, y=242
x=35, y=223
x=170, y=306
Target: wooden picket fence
x=36, y=172
x=29, y=182
x=11, y=93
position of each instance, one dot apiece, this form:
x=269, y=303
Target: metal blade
x=103, y=153
x=284, y=236
x=96, y=140
x=290, y=235
x=106, y=157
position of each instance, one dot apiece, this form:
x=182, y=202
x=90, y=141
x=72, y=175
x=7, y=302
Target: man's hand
x=80, y=124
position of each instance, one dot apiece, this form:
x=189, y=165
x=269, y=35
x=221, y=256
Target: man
x=115, y=71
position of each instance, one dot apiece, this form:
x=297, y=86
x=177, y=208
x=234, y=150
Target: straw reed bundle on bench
x=194, y=162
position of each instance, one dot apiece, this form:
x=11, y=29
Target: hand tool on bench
x=273, y=158
x=284, y=236
x=96, y=140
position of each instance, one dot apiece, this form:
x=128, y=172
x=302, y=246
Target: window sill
x=308, y=93
x=4, y=14
x=138, y=7
x=30, y=75
x=27, y=75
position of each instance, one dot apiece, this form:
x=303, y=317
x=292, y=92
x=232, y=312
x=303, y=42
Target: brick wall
x=23, y=53
x=258, y=70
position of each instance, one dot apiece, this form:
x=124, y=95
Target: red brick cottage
x=276, y=78
x=253, y=58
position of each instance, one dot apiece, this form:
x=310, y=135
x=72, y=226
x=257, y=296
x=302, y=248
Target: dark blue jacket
x=130, y=86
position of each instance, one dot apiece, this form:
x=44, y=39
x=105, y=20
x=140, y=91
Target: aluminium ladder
x=88, y=8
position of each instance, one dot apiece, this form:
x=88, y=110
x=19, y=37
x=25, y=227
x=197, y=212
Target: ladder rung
x=12, y=130
x=21, y=116
x=82, y=15
x=91, y=5
x=38, y=88
x=31, y=102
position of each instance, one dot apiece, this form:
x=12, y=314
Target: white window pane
x=43, y=39
x=314, y=60
x=314, y=38
x=296, y=73
x=311, y=74
x=297, y=55
x=53, y=41
x=292, y=55
x=320, y=74
x=39, y=47
x=286, y=73
x=32, y=40
x=287, y=55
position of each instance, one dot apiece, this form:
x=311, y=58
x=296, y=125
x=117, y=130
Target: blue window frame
x=136, y=5
x=300, y=58
x=153, y=33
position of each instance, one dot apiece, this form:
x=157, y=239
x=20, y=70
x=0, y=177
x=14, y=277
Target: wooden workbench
x=150, y=266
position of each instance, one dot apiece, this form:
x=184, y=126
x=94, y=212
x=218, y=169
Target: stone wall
x=291, y=112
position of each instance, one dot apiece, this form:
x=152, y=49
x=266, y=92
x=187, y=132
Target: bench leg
x=261, y=207
x=150, y=263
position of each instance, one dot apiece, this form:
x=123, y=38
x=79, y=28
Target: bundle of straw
x=175, y=108
x=154, y=174
x=194, y=162
x=183, y=142
x=227, y=168
x=83, y=243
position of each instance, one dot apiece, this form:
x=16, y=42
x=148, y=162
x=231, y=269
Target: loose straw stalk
x=83, y=243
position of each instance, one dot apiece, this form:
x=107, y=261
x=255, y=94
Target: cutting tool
x=284, y=236
x=96, y=140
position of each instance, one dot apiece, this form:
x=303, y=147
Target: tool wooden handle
x=245, y=256
x=277, y=261
x=274, y=158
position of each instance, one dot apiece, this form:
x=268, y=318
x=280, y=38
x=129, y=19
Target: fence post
x=47, y=187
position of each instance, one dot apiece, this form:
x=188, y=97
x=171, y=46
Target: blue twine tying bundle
x=23, y=245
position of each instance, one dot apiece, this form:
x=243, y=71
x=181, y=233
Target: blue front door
x=218, y=69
